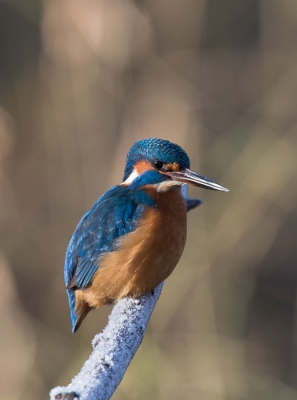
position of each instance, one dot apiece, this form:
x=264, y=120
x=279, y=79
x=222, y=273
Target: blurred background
x=80, y=82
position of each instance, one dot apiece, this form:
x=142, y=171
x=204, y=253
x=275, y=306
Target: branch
x=114, y=348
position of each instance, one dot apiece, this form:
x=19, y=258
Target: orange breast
x=146, y=256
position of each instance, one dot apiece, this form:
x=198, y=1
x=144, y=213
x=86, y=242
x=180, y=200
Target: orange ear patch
x=172, y=166
x=142, y=166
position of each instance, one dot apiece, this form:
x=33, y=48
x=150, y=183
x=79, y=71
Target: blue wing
x=115, y=214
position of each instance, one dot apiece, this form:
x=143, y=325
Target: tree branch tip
x=63, y=395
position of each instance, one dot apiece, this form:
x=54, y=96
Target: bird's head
x=163, y=164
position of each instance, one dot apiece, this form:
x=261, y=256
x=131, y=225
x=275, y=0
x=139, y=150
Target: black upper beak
x=191, y=177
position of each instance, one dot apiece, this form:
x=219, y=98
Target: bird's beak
x=191, y=177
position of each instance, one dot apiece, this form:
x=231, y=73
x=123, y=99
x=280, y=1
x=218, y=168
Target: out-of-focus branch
x=114, y=348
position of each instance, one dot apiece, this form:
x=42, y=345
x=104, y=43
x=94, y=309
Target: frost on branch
x=114, y=348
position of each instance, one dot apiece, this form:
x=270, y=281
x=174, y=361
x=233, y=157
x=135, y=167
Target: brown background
x=80, y=82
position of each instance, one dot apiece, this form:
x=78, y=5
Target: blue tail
x=73, y=316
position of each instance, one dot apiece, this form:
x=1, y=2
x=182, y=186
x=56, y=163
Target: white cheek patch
x=134, y=174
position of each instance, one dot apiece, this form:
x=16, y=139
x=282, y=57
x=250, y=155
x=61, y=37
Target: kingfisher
x=134, y=235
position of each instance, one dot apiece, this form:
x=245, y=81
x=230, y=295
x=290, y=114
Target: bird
x=134, y=235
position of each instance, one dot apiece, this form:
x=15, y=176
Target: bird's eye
x=158, y=164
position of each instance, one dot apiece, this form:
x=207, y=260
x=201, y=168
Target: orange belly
x=145, y=257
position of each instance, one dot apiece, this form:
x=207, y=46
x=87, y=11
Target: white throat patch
x=166, y=185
